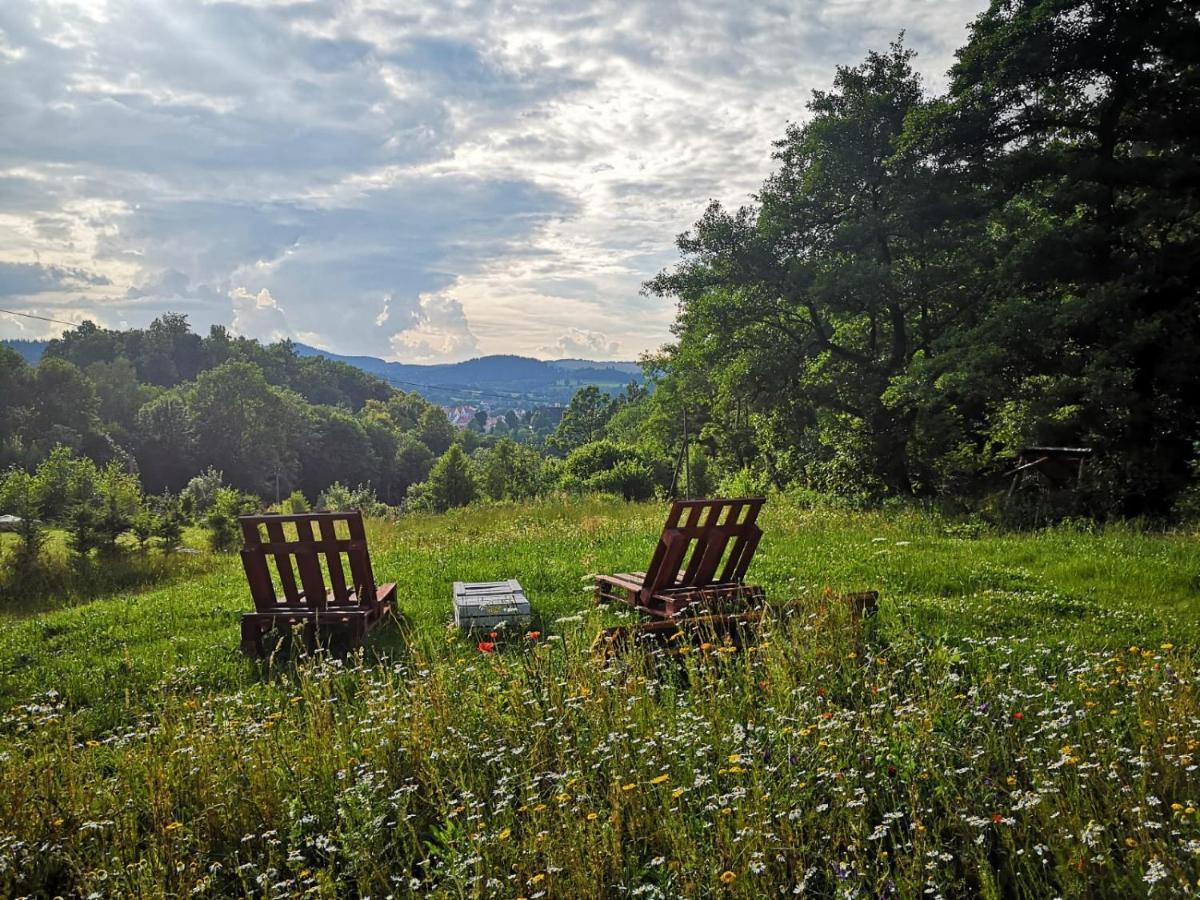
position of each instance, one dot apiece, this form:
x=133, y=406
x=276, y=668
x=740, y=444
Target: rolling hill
x=486, y=380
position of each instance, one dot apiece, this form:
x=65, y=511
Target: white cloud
x=532, y=161
x=580, y=342
x=257, y=315
x=437, y=332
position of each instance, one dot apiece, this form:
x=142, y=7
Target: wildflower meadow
x=1021, y=719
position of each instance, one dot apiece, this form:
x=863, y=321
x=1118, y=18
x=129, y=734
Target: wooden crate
x=484, y=605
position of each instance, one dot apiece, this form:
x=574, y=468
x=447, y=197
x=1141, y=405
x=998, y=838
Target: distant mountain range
x=494, y=381
x=31, y=351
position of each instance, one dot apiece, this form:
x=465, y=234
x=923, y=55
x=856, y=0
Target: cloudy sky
x=425, y=182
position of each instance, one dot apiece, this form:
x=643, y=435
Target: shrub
x=168, y=520
x=338, y=498
x=221, y=520
x=142, y=527
x=631, y=478
x=62, y=481
x=510, y=471
x=19, y=497
x=613, y=468
x=697, y=477
x=295, y=502
x=745, y=482
x=451, y=482
x=201, y=492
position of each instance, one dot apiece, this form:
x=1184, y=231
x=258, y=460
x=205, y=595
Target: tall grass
x=1021, y=719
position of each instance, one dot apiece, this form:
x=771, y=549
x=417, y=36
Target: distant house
x=460, y=416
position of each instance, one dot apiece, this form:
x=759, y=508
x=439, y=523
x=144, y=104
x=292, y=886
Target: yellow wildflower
x=728, y=877
x=504, y=834
x=628, y=787
x=661, y=779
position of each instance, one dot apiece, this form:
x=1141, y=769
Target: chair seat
x=346, y=611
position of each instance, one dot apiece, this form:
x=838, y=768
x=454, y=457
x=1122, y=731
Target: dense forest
x=927, y=283
x=166, y=404
x=923, y=286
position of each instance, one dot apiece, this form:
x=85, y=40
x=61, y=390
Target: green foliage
x=745, y=482
x=412, y=462
x=927, y=284
x=337, y=448
x=510, y=471
x=20, y=495
x=697, y=478
x=583, y=421
x=63, y=481
x=435, y=430
x=251, y=430
x=97, y=521
x=631, y=478
x=451, y=482
x=340, y=498
x=167, y=520
x=614, y=468
x=200, y=493
x=294, y=503
x=221, y=518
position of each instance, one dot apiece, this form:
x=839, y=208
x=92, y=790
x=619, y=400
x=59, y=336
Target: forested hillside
x=927, y=283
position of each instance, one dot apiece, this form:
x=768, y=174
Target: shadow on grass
x=287, y=650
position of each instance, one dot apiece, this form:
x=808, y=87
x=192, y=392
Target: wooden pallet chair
x=700, y=561
x=353, y=605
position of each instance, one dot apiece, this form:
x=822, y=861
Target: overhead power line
x=13, y=312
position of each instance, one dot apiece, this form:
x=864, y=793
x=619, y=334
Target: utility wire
x=13, y=312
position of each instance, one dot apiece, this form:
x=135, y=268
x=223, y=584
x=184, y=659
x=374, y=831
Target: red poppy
x=493, y=635
x=533, y=635
x=1018, y=716
x=997, y=818
x=487, y=646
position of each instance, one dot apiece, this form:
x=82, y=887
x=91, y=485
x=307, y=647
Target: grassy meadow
x=1021, y=719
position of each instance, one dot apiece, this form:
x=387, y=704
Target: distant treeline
x=167, y=404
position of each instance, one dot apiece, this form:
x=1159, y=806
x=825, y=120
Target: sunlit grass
x=1021, y=718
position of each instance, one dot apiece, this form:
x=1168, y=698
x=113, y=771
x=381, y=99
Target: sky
x=424, y=182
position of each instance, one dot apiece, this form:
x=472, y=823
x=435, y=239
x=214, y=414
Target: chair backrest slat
x=703, y=533
x=333, y=561
x=258, y=576
x=309, y=565
x=360, y=561
x=283, y=561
